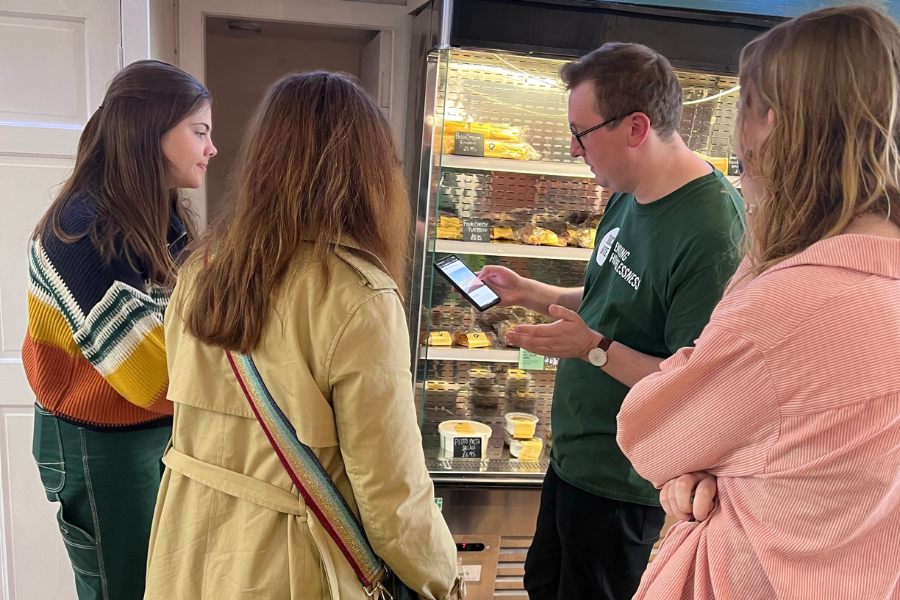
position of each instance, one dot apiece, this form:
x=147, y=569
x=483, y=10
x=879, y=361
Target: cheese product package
x=449, y=228
x=513, y=150
x=438, y=338
x=538, y=236
x=490, y=131
x=475, y=339
x=503, y=233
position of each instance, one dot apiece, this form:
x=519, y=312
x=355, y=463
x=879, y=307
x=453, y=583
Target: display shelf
x=508, y=165
x=505, y=470
x=517, y=250
x=472, y=354
x=535, y=167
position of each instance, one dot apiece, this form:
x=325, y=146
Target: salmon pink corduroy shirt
x=791, y=398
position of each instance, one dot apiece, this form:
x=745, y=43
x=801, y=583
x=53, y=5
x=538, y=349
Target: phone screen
x=466, y=282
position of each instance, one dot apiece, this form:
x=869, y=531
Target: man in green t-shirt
x=664, y=251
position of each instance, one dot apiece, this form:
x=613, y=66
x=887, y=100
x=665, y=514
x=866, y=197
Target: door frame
x=393, y=20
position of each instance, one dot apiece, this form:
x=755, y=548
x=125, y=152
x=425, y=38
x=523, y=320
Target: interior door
x=56, y=58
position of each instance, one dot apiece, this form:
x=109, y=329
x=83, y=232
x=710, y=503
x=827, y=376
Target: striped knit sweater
x=95, y=353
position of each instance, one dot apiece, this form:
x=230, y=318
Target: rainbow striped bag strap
x=310, y=477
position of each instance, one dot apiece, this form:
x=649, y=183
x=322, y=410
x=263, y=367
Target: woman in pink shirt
x=789, y=405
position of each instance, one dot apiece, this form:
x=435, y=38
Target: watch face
x=598, y=357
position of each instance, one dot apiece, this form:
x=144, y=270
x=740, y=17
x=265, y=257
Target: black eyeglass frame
x=578, y=136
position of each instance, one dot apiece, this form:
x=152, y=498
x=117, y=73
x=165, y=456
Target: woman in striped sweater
x=102, y=263
x=789, y=404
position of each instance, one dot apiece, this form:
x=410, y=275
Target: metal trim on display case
x=419, y=153
x=473, y=471
x=446, y=24
x=423, y=209
x=571, y=28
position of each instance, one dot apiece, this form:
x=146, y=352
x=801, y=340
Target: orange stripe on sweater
x=70, y=386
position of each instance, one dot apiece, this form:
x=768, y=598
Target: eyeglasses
x=578, y=136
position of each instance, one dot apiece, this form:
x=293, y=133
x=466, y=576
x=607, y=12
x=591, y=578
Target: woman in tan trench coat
x=304, y=279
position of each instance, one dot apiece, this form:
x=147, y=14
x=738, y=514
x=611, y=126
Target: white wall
x=239, y=70
x=162, y=30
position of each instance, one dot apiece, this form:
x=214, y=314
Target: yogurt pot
x=450, y=430
x=521, y=425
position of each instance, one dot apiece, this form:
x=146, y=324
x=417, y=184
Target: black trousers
x=587, y=547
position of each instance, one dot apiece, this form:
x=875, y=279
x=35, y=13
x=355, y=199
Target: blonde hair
x=832, y=78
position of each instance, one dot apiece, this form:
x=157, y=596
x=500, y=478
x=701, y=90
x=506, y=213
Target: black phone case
x=462, y=293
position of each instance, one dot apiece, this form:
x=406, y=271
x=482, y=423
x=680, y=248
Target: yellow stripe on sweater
x=138, y=384
x=48, y=326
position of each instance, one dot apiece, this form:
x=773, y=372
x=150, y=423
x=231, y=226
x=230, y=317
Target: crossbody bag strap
x=310, y=477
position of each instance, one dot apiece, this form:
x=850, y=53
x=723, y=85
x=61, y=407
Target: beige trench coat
x=229, y=523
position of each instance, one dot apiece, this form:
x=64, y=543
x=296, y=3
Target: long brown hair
x=832, y=78
x=319, y=164
x=120, y=164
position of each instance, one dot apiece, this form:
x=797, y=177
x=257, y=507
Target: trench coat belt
x=235, y=484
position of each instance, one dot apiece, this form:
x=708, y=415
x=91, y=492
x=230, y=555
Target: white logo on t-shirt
x=606, y=246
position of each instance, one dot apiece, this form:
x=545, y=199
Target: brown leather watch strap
x=605, y=343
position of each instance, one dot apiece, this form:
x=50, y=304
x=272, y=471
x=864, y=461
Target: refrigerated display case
x=495, y=184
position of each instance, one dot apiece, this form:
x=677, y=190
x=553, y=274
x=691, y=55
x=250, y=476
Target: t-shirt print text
x=617, y=260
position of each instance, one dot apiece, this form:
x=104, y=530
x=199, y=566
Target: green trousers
x=106, y=484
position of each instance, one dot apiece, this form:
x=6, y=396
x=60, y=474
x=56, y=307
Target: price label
x=529, y=361
x=468, y=144
x=531, y=450
x=467, y=447
x=523, y=430
x=476, y=230
x=734, y=168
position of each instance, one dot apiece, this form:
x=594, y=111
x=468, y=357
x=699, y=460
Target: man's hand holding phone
x=506, y=283
x=466, y=282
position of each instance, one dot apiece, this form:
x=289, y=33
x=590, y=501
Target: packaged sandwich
x=514, y=150
x=484, y=397
x=506, y=132
x=518, y=380
x=481, y=377
x=504, y=328
x=475, y=339
x=451, y=318
x=451, y=127
x=582, y=238
x=538, y=236
x=438, y=338
x=503, y=233
x=490, y=131
x=449, y=228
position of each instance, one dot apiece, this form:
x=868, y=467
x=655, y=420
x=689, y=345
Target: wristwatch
x=598, y=356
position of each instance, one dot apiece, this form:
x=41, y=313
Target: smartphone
x=466, y=282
